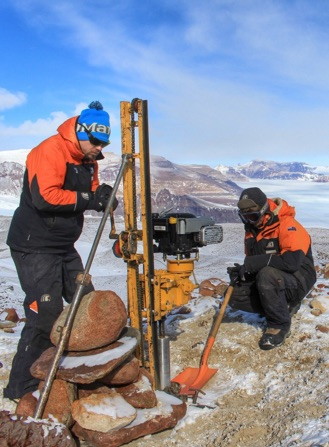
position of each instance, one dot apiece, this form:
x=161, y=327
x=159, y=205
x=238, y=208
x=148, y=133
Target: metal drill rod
x=66, y=329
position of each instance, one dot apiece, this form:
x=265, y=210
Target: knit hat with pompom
x=96, y=120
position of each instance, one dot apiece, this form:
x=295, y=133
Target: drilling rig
x=152, y=294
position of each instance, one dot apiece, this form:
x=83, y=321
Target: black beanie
x=252, y=197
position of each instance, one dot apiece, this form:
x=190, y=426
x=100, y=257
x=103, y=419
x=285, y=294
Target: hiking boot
x=273, y=337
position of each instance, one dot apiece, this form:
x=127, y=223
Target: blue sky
x=226, y=81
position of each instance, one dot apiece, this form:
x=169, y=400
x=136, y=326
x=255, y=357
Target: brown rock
x=100, y=318
x=85, y=390
x=317, y=306
x=19, y=431
x=5, y=324
x=103, y=412
x=181, y=310
x=11, y=315
x=212, y=287
x=321, y=328
x=88, y=366
x=27, y=404
x=165, y=415
x=207, y=288
x=127, y=372
x=326, y=271
x=61, y=396
x=304, y=337
x=140, y=394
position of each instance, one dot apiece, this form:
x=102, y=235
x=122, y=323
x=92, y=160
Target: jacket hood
x=67, y=131
x=280, y=207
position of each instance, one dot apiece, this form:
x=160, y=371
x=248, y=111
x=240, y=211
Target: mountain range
x=272, y=170
x=197, y=189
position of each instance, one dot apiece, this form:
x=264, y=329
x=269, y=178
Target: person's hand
x=100, y=197
x=237, y=273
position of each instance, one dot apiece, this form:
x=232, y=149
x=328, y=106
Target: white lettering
x=94, y=127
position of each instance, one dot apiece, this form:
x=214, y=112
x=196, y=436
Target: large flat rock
x=166, y=414
x=103, y=412
x=88, y=366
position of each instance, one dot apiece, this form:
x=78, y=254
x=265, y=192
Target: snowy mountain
x=258, y=169
x=200, y=190
x=197, y=189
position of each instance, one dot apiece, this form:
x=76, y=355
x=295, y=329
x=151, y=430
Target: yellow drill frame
x=150, y=294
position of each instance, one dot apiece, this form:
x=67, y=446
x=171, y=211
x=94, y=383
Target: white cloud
x=237, y=79
x=79, y=107
x=41, y=127
x=8, y=100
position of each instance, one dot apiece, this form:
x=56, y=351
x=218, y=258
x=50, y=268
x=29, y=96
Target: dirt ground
x=264, y=398
x=277, y=398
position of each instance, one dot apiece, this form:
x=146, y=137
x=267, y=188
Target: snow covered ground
x=277, y=398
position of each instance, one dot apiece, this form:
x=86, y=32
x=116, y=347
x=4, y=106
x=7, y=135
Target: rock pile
x=21, y=431
x=212, y=287
x=100, y=392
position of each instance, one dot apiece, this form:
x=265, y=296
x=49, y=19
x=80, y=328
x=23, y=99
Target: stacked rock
x=100, y=390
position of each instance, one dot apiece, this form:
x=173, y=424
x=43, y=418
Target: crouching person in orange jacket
x=60, y=183
x=278, y=269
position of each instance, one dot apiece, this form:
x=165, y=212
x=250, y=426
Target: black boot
x=273, y=337
x=293, y=308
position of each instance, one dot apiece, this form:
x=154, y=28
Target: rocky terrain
x=257, y=398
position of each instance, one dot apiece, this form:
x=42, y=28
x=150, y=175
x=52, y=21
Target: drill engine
x=181, y=234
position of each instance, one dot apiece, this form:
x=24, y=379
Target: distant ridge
x=259, y=169
x=197, y=189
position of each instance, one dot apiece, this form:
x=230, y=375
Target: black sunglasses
x=92, y=140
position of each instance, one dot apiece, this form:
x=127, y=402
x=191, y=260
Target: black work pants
x=46, y=279
x=270, y=294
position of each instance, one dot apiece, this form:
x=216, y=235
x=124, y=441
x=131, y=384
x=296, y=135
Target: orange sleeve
x=293, y=236
x=46, y=165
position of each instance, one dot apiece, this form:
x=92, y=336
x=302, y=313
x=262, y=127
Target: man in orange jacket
x=60, y=183
x=278, y=269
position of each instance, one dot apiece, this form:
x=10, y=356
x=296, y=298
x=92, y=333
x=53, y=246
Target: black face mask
x=253, y=217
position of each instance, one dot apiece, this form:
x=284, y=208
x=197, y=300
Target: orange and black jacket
x=56, y=184
x=282, y=243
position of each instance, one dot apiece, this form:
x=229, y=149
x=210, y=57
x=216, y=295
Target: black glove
x=237, y=273
x=100, y=197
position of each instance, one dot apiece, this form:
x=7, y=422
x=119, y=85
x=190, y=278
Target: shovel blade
x=193, y=379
